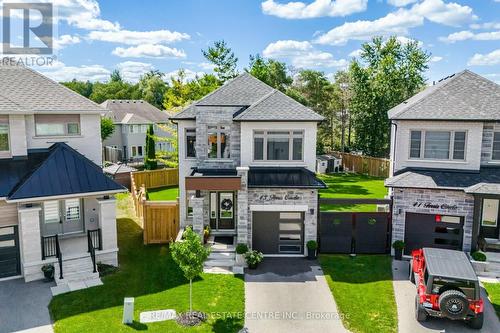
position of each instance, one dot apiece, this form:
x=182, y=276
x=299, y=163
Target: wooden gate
x=354, y=232
x=161, y=222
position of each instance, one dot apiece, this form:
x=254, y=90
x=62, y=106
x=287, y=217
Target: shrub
x=398, y=245
x=479, y=256
x=312, y=245
x=241, y=248
x=254, y=257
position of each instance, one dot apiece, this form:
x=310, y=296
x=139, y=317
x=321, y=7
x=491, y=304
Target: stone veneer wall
x=308, y=197
x=405, y=198
x=487, y=142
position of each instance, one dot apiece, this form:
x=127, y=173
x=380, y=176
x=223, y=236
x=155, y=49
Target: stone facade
x=405, y=198
x=487, y=142
x=242, y=208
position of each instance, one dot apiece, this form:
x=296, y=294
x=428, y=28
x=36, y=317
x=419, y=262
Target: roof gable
x=137, y=111
x=463, y=96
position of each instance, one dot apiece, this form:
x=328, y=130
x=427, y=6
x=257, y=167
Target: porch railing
x=51, y=248
x=94, y=241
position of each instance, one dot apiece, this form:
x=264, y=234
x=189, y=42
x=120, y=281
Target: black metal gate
x=354, y=232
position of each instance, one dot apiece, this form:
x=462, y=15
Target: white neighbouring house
x=445, y=172
x=247, y=156
x=56, y=205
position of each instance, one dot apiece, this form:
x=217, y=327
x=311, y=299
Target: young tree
x=270, y=71
x=387, y=73
x=107, y=127
x=224, y=60
x=190, y=254
x=150, y=162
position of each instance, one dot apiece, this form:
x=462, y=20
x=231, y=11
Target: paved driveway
x=23, y=306
x=405, y=298
x=289, y=295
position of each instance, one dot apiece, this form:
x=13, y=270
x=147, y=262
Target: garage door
x=278, y=232
x=430, y=230
x=9, y=252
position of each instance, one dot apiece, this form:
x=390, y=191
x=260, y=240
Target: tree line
x=354, y=101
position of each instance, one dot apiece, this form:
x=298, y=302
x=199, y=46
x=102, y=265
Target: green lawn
x=163, y=193
x=149, y=274
x=349, y=185
x=493, y=290
x=362, y=287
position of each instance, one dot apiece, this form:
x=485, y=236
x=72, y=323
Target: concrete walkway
x=405, y=298
x=289, y=295
x=23, y=306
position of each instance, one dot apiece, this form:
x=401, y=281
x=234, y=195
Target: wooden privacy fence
x=372, y=166
x=159, y=219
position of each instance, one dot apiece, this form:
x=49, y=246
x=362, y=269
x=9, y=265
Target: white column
x=107, y=223
x=30, y=241
x=243, y=220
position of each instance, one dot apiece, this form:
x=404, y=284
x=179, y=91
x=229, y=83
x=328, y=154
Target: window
x=490, y=212
x=218, y=142
x=189, y=211
x=51, y=212
x=4, y=134
x=136, y=151
x=57, y=125
x=278, y=145
x=438, y=145
x=213, y=205
x=496, y=146
x=190, y=142
x=226, y=205
x=72, y=209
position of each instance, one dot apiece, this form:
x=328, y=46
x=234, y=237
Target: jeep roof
x=449, y=263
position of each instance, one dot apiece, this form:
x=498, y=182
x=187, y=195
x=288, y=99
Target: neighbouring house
x=120, y=173
x=132, y=119
x=247, y=156
x=445, y=165
x=56, y=205
x=328, y=163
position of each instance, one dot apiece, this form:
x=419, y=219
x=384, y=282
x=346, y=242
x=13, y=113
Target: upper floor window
x=218, y=142
x=278, y=145
x=190, y=142
x=4, y=134
x=496, y=147
x=438, y=145
x=57, y=125
x=133, y=129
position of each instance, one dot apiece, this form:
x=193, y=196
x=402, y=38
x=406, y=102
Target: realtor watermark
x=279, y=315
x=27, y=33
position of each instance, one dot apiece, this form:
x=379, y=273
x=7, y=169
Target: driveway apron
x=289, y=295
x=23, y=306
x=405, y=292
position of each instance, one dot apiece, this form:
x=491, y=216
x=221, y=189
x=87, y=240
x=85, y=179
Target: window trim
x=219, y=130
x=451, y=145
x=482, y=213
x=186, y=131
x=65, y=124
x=493, y=146
x=290, y=137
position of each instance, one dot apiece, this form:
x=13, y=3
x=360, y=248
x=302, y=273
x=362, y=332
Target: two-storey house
x=56, y=205
x=132, y=119
x=445, y=155
x=247, y=155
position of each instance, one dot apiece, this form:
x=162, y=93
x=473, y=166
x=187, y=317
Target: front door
x=222, y=210
x=490, y=216
x=62, y=217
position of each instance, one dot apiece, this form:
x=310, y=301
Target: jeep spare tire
x=453, y=304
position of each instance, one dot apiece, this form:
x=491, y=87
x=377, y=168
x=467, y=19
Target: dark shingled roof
x=449, y=263
x=283, y=177
x=444, y=179
x=59, y=170
x=259, y=102
x=462, y=96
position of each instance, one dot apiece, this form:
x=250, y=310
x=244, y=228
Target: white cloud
x=489, y=59
x=400, y=3
x=399, y=22
x=317, y=8
x=132, y=71
x=285, y=48
x=486, y=25
x=318, y=59
x=206, y=66
x=469, y=35
x=355, y=53
x=60, y=72
x=149, y=51
x=436, y=59
x=65, y=40
x=138, y=37
x=406, y=40
x=188, y=75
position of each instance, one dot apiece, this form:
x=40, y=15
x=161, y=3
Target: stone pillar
x=197, y=203
x=243, y=220
x=106, y=209
x=30, y=241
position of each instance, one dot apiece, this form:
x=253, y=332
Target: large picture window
x=218, y=142
x=4, y=134
x=57, y=125
x=496, y=146
x=438, y=145
x=490, y=212
x=278, y=145
x=190, y=142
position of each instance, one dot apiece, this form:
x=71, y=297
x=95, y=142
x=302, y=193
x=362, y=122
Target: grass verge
x=493, y=290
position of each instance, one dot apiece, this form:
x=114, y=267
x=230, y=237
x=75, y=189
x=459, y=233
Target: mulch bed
x=192, y=318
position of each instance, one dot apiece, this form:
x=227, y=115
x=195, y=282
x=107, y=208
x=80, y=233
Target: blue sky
x=134, y=36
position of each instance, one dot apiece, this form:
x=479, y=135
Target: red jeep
x=447, y=286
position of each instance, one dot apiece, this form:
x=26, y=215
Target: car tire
x=412, y=275
x=453, y=304
x=476, y=323
x=420, y=312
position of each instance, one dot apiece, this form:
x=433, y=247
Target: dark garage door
x=9, y=252
x=431, y=230
x=278, y=232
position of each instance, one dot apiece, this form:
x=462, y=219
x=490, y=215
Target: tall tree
x=224, y=60
x=387, y=73
x=270, y=71
x=152, y=88
x=116, y=76
x=114, y=90
x=340, y=104
x=150, y=162
x=81, y=87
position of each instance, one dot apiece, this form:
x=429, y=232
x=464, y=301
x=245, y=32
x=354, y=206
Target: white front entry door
x=62, y=217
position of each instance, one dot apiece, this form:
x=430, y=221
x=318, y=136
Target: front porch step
x=78, y=273
x=73, y=286
x=218, y=270
x=222, y=255
x=220, y=263
x=222, y=248
x=492, y=244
